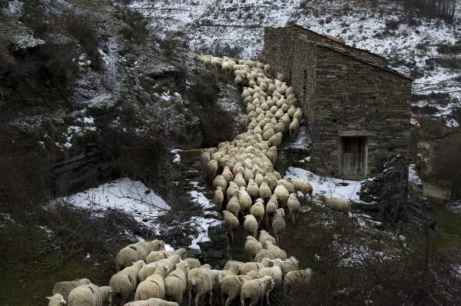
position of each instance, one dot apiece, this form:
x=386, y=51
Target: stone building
x=357, y=110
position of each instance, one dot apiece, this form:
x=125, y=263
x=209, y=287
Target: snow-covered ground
x=237, y=27
x=327, y=186
x=128, y=196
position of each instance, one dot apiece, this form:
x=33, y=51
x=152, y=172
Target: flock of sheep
x=248, y=191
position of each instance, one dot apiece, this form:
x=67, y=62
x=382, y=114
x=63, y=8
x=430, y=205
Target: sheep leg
x=197, y=298
x=242, y=301
x=211, y=297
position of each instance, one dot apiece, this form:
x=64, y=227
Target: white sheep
x=212, y=169
x=258, y=210
x=230, y=288
x=302, y=186
x=227, y=173
x=136, y=251
x=124, y=282
x=274, y=272
x=264, y=236
x=278, y=223
x=252, y=246
x=200, y=281
x=296, y=278
x=287, y=184
x=90, y=295
x=65, y=287
x=265, y=191
x=231, y=223
x=152, y=302
x=256, y=290
x=232, y=190
x=192, y=262
x=156, y=256
x=246, y=267
x=176, y=282
x=336, y=203
x=251, y=225
x=294, y=207
x=252, y=188
x=56, y=300
x=220, y=181
x=282, y=193
x=287, y=265
x=244, y=199
x=234, y=206
x=218, y=197
x=153, y=286
x=276, y=250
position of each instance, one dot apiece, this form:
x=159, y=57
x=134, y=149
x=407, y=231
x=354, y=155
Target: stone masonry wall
x=353, y=96
x=341, y=93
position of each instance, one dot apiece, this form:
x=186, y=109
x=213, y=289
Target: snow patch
x=202, y=224
x=413, y=176
x=125, y=195
x=328, y=186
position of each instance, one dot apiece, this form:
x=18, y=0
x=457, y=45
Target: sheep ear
x=48, y=297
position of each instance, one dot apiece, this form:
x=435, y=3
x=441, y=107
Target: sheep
x=274, y=272
x=278, y=223
x=153, y=286
x=294, y=206
x=302, y=186
x=251, y=225
x=258, y=210
x=282, y=193
x=156, y=256
x=200, y=280
x=296, y=278
x=212, y=169
x=230, y=286
x=65, y=287
x=56, y=299
x=192, y=262
x=252, y=246
x=152, y=302
x=265, y=236
x=136, y=251
x=90, y=295
x=176, y=282
x=218, y=197
x=336, y=203
x=276, y=250
x=248, y=174
x=294, y=125
x=287, y=184
x=227, y=173
x=232, y=190
x=288, y=265
x=233, y=266
x=244, y=199
x=231, y=223
x=234, y=206
x=256, y=289
x=240, y=180
x=265, y=191
x=124, y=282
x=252, y=188
x=246, y=267
x=220, y=181
x=205, y=158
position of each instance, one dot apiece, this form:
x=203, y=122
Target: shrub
x=135, y=26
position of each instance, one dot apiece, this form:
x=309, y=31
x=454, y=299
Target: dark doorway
x=354, y=157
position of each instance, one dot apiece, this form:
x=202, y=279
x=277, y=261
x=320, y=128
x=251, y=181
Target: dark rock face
x=389, y=190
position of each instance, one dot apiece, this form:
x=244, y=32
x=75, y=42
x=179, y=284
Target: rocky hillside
x=426, y=49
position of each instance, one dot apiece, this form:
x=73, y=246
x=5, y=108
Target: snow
x=177, y=156
x=328, y=186
x=199, y=198
x=202, y=224
x=413, y=176
x=125, y=195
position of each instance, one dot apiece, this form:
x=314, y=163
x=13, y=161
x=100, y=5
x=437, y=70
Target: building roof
x=348, y=51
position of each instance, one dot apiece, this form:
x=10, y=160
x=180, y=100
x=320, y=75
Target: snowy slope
x=236, y=27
